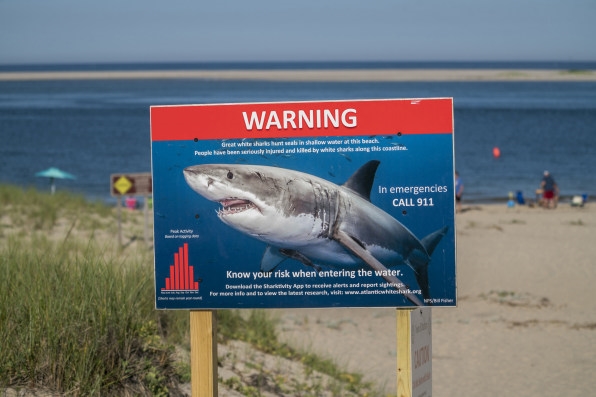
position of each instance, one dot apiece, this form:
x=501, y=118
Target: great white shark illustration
x=315, y=221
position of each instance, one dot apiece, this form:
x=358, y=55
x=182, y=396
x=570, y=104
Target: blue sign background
x=425, y=161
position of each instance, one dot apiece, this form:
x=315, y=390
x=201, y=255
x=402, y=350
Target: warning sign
x=131, y=184
x=304, y=204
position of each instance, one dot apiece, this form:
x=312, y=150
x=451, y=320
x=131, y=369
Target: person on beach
x=550, y=190
x=459, y=191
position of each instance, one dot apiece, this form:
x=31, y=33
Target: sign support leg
x=146, y=217
x=120, y=222
x=404, y=353
x=203, y=353
x=414, y=352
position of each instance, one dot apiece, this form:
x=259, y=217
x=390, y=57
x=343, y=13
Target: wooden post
x=404, y=353
x=414, y=352
x=120, y=222
x=203, y=353
x=146, y=218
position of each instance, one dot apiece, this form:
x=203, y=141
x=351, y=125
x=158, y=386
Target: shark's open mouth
x=234, y=206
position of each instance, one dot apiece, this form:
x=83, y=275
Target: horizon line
x=315, y=75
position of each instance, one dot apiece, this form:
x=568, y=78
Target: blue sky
x=81, y=31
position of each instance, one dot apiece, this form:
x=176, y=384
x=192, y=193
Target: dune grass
x=77, y=313
x=78, y=323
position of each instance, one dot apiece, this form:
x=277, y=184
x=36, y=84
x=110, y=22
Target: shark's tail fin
x=419, y=261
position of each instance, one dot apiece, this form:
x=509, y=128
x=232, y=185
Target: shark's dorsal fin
x=362, y=180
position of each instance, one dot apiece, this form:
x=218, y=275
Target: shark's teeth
x=235, y=206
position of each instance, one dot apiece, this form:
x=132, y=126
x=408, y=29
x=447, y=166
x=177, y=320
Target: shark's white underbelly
x=311, y=236
x=326, y=251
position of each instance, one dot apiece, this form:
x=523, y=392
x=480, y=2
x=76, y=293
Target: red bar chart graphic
x=182, y=275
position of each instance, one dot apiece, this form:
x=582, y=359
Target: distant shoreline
x=321, y=75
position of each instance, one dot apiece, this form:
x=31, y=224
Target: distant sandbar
x=321, y=75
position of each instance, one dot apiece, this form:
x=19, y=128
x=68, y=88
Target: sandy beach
x=323, y=75
x=525, y=324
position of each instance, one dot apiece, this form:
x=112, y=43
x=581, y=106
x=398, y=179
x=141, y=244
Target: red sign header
x=296, y=119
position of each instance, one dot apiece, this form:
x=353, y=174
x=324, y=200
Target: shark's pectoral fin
x=357, y=249
x=271, y=259
x=290, y=253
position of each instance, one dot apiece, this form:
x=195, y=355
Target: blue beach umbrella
x=54, y=173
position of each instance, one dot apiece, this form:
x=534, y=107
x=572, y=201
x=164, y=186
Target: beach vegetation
x=579, y=222
x=77, y=311
x=577, y=72
x=496, y=227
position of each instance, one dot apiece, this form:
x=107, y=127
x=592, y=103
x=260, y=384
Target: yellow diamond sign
x=123, y=185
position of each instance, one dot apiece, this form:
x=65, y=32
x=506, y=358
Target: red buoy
x=496, y=152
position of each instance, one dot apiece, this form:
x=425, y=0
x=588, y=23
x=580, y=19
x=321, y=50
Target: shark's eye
x=230, y=175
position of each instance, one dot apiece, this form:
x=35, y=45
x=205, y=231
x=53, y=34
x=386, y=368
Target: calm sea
x=95, y=128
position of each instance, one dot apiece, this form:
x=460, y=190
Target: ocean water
x=95, y=128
